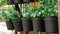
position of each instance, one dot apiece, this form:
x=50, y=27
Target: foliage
x=3, y=2
x=44, y=8
x=27, y=13
x=34, y=12
x=50, y=8
x=9, y=13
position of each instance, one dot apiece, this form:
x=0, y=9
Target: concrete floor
x=3, y=29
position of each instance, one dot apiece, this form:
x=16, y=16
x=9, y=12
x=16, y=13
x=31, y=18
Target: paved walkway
x=3, y=28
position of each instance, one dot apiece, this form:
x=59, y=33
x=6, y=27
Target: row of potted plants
x=42, y=17
x=45, y=13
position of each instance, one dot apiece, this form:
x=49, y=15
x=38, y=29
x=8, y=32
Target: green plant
x=9, y=13
x=34, y=12
x=0, y=14
x=3, y=2
x=50, y=8
x=28, y=11
x=37, y=11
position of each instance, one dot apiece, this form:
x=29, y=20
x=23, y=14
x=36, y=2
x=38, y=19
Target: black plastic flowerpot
x=27, y=24
x=38, y=24
x=17, y=25
x=9, y=25
x=25, y=1
x=51, y=24
x=31, y=0
x=10, y=2
x=34, y=0
x=18, y=1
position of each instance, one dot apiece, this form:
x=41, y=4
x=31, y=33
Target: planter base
x=27, y=24
x=38, y=24
x=9, y=25
x=17, y=25
x=51, y=24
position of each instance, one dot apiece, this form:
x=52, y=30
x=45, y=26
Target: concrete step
x=3, y=28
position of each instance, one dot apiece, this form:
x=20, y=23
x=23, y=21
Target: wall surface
x=59, y=15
